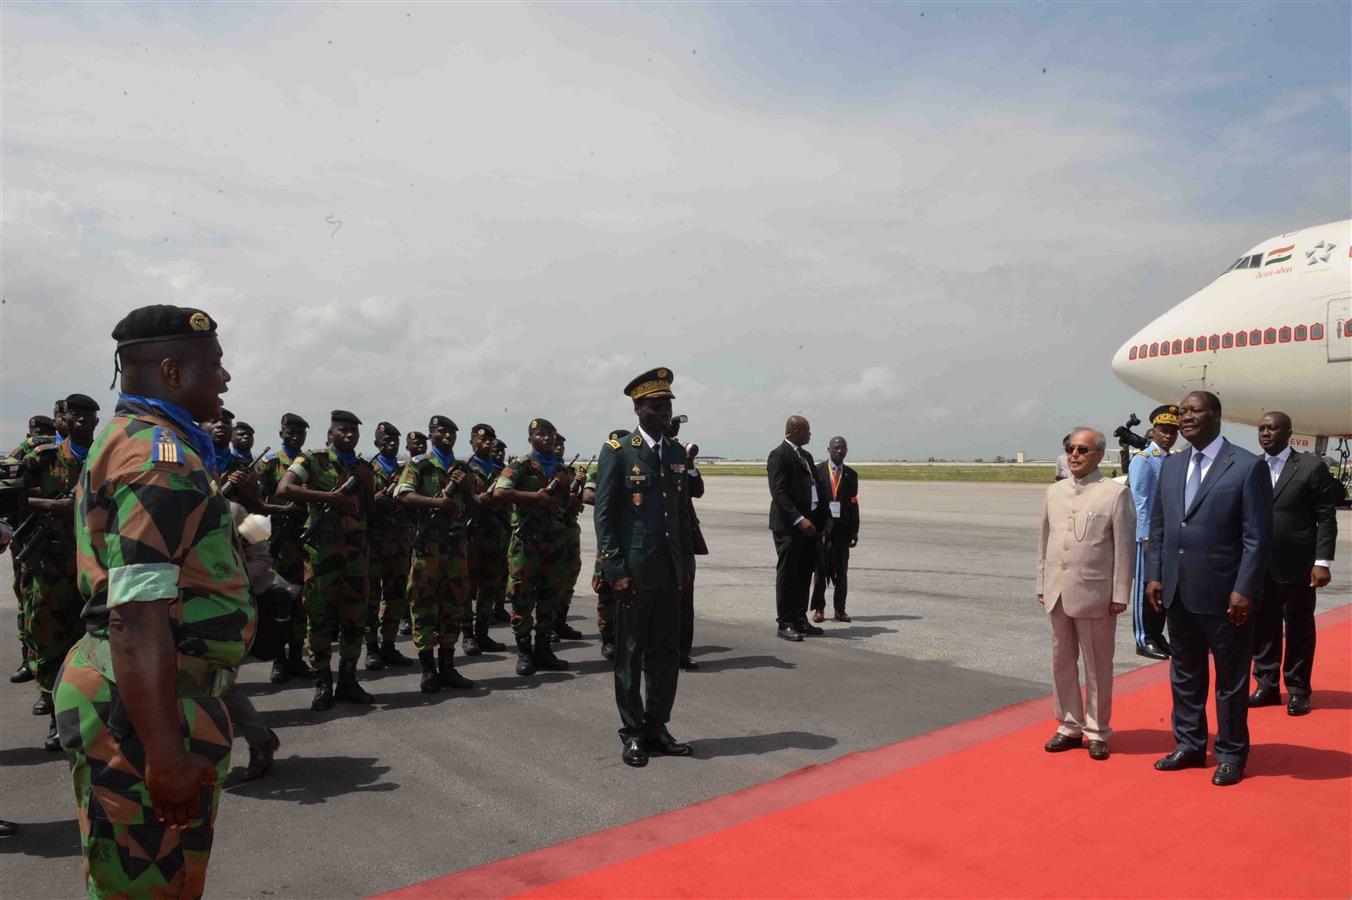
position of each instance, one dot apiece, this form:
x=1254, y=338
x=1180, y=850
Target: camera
x=1128, y=438
x=13, y=493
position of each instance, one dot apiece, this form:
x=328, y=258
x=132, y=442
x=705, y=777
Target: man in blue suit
x=1210, y=535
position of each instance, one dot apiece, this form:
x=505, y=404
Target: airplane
x=1273, y=331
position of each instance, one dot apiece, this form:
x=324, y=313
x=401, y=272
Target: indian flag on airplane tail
x=1280, y=255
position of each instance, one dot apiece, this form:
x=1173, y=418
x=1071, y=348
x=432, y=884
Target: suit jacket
x=694, y=490
x=640, y=513
x=1086, y=550
x=847, y=526
x=791, y=481
x=1220, y=544
x=1304, y=518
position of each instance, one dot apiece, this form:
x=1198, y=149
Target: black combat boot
x=348, y=690
x=501, y=616
x=43, y=705
x=469, y=640
x=373, y=661
x=486, y=643
x=544, y=654
x=281, y=668
x=607, y=643
x=430, y=683
x=525, y=660
x=449, y=676
x=21, y=674
x=405, y=627
x=393, y=657
x=323, y=691
x=53, y=742
x=563, y=629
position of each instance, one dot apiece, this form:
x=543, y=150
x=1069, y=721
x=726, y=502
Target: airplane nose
x=1122, y=358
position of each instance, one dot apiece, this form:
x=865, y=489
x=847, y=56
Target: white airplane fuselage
x=1272, y=332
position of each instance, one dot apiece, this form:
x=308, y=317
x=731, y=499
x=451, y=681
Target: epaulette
x=613, y=444
x=45, y=448
x=1155, y=452
x=165, y=448
x=271, y=455
x=421, y=457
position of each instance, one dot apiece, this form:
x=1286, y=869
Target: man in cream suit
x=1085, y=562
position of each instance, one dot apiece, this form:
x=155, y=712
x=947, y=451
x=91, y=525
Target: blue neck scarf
x=79, y=451
x=246, y=457
x=201, y=441
x=222, y=457
x=447, y=459
x=347, y=459
x=546, y=462
x=387, y=463
x=485, y=467
x=60, y=437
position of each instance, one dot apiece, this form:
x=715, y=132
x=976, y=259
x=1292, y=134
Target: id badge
x=835, y=509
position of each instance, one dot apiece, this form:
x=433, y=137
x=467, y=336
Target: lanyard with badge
x=837, y=473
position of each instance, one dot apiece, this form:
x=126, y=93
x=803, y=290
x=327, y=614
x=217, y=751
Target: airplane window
x=1213, y=342
x=1227, y=340
x=1347, y=329
x=1300, y=332
x=1187, y=345
x=1285, y=334
x=1270, y=336
x=1201, y=342
x=1242, y=339
x=1241, y=263
x=1317, y=331
x=1164, y=349
x=1255, y=261
x=1255, y=338
x=1154, y=349
x=1178, y=346
x=1132, y=354
x=1145, y=350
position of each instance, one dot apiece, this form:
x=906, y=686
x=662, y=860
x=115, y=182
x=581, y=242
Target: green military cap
x=79, y=401
x=483, y=430
x=538, y=424
x=387, y=428
x=442, y=422
x=417, y=434
x=654, y=383
x=162, y=322
x=341, y=415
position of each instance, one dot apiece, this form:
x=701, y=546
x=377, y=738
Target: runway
x=366, y=800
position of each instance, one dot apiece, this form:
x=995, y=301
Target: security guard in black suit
x=643, y=535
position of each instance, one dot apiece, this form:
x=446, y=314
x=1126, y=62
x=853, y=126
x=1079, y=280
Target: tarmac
x=946, y=628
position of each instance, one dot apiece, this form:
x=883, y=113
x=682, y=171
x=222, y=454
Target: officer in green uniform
x=288, y=554
x=569, y=510
x=51, y=599
x=387, y=593
x=487, y=544
x=535, y=485
x=168, y=619
x=644, y=538
x=338, y=487
x=605, y=597
x=440, y=490
x=41, y=430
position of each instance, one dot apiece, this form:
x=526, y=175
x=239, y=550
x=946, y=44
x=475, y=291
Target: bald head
x=797, y=430
x=1274, y=432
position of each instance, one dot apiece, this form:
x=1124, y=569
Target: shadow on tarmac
x=29, y=756
x=47, y=840
x=757, y=744
x=312, y=779
x=886, y=618
x=745, y=662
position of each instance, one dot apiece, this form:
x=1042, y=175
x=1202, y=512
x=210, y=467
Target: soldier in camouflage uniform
x=535, y=485
x=571, y=538
x=387, y=591
x=416, y=445
x=41, y=430
x=338, y=488
x=500, y=614
x=168, y=619
x=605, y=597
x=487, y=545
x=51, y=600
x=288, y=554
x=440, y=489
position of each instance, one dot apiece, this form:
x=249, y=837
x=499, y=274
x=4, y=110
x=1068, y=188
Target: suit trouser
x=1191, y=636
x=1293, y=603
x=1146, y=624
x=840, y=562
x=1094, y=639
x=793, y=575
x=647, y=635
x=246, y=721
x=688, y=609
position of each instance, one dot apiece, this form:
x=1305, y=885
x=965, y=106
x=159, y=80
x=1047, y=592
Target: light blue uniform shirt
x=1144, y=475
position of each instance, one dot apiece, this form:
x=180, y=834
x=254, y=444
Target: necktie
x=1194, y=481
x=1275, y=465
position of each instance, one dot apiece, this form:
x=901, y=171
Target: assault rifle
x=434, y=516
x=307, y=537
x=45, y=526
x=228, y=489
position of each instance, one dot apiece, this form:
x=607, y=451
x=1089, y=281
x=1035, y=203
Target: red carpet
x=979, y=810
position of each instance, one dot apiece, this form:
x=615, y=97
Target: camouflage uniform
x=438, y=595
x=536, y=558
x=487, y=552
x=387, y=582
x=288, y=554
x=605, y=598
x=571, y=548
x=50, y=598
x=335, y=564
x=150, y=523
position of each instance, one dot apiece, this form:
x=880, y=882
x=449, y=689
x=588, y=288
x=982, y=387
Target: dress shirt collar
x=793, y=445
x=1092, y=477
x=647, y=438
x=1211, y=450
x=1280, y=457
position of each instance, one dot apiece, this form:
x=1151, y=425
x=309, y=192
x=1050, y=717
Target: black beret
x=291, y=420
x=342, y=415
x=225, y=414
x=79, y=401
x=245, y=427
x=387, y=428
x=482, y=430
x=162, y=322
x=442, y=422
x=655, y=383
x=500, y=444
x=559, y=437
x=41, y=422
x=59, y=408
x=537, y=424
x=417, y=434
x=619, y=433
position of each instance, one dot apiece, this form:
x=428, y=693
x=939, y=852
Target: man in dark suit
x=842, y=505
x=1210, y=537
x=1304, y=533
x=644, y=541
x=797, y=511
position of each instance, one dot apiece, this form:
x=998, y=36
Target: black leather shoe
x=789, y=633
x=1265, y=696
x=373, y=661
x=53, y=742
x=1180, y=759
x=567, y=632
x=1152, y=649
x=809, y=629
x=608, y=649
x=1298, y=705
x=20, y=675
x=43, y=705
x=688, y=664
x=1060, y=743
x=8, y=829
x=666, y=745
x=323, y=698
x=405, y=627
x=1228, y=774
x=1098, y=750
x=392, y=657
x=634, y=754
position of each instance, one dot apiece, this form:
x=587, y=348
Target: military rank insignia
x=638, y=499
x=637, y=441
x=164, y=449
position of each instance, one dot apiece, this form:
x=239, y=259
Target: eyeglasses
x=1073, y=449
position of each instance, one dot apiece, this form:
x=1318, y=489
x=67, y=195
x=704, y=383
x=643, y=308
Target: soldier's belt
x=194, y=676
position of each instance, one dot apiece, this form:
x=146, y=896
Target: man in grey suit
x=1210, y=537
x=1085, y=562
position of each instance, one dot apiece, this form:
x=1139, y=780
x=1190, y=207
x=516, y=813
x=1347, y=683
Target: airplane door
x=1340, y=329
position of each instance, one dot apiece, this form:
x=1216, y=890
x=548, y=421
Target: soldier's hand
x=1154, y=595
x=246, y=485
x=545, y=497
x=175, y=787
x=344, y=503
x=624, y=591
x=457, y=476
x=63, y=508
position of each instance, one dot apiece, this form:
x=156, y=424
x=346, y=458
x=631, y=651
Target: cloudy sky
x=926, y=226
